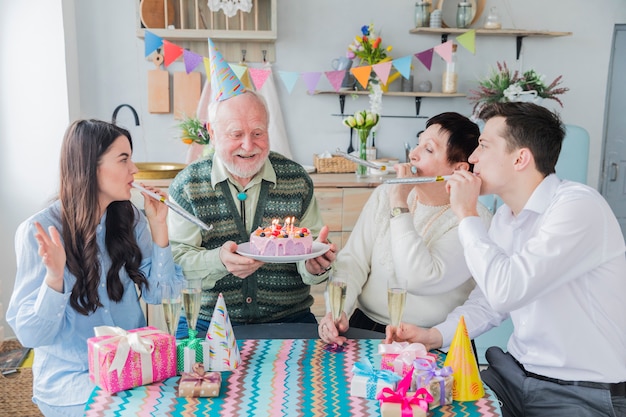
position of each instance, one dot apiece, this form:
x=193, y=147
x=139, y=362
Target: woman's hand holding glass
x=336, y=320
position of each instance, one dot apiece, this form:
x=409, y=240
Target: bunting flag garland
x=382, y=70
x=425, y=57
x=362, y=74
x=152, y=42
x=335, y=78
x=311, y=79
x=468, y=40
x=289, y=78
x=192, y=60
x=403, y=65
x=259, y=76
x=171, y=52
x=444, y=50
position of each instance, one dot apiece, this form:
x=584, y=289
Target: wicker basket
x=16, y=390
x=335, y=164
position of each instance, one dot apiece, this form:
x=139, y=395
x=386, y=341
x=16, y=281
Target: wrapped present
x=399, y=356
x=120, y=359
x=401, y=403
x=367, y=382
x=437, y=381
x=223, y=350
x=199, y=383
x=189, y=351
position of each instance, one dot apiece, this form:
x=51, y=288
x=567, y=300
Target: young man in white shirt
x=553, y=260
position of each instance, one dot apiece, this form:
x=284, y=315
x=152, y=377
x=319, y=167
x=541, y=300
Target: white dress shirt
x=558, y=269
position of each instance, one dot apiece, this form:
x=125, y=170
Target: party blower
x=176, y=208
x=360, y=161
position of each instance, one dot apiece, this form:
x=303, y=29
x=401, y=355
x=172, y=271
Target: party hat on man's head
x=467, y=385
x=224, y=82
x=223, y=350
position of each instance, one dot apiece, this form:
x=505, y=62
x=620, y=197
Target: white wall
x=111, y=69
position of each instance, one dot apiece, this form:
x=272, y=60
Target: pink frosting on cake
x=276, y=241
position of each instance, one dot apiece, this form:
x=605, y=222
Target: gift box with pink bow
x=437, y=381
x=199, y=383
x=367, y=382
x=120, y=359
x=398, y=357
x=401, y=402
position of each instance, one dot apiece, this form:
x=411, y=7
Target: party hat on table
x=223, y=350
x=224, y=82
x=467, y=385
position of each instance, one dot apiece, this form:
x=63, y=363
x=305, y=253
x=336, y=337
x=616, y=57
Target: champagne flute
x=192, y=296
x=396, y=299
x=337, y=286
x=171, y=301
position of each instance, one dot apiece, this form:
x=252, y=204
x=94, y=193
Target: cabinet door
x=353, y=201
x=329, y=201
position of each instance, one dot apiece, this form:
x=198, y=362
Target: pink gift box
x=120, y=360
x=398, y=357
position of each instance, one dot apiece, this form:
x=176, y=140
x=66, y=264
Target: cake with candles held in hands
x=277, y=240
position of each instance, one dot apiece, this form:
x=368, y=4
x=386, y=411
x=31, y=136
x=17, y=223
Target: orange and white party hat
x=222, y=346
x=467, y=385
x=224, y=83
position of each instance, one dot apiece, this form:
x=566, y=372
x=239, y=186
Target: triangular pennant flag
x=171, y=52
x=239, y=70
x=223, y=351
x=224, y=82
x=362, y=74
x=445, y=51
x=335, y=78
x=289, y=78
x=152, y=42
x=425, y=57
x=468, y=40
x=382, y=70
x=311, y=79
x=191, y=59
x=259, y=76
x=403, y=65
x=467, y=385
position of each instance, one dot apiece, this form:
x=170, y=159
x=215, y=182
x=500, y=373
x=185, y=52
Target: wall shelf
x=519, y=34
x=416, y=94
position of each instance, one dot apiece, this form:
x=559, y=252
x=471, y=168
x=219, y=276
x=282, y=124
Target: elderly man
x=240, y=187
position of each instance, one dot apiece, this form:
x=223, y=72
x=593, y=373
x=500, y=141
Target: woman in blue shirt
x=85, y=261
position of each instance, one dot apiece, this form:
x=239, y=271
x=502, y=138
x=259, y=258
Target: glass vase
x=361, y=170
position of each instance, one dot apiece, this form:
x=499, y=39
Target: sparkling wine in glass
x=336, y=295
x=396, y=299
x=192, y=296
x=171, y=300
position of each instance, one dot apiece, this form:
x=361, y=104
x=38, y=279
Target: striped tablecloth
x=276, y=378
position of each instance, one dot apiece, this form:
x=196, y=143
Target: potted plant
x=503, y=85
x=193, y=130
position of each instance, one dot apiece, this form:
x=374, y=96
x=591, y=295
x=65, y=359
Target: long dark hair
x=84, y=144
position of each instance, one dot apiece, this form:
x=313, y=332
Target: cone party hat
x=224, y=82
x=467, y=385
x=223, y=350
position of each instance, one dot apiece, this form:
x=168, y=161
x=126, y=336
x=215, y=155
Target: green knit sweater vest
x=274, y=291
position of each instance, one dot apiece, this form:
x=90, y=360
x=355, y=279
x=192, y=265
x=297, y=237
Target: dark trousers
x=527, y=396
x=202, y=326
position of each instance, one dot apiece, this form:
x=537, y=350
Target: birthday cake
x=278, y=240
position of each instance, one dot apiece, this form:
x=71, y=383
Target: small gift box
x=120, y=359
x=398, y=357
x=437, y=381
x=190, y=351
x=199, y=383
x=367, y=382
x=401, y=403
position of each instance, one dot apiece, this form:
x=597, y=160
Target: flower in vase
x=363, y=119
x=368, y=47
x=193, y=130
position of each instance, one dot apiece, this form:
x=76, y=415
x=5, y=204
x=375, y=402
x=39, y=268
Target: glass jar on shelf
x=463, y=14
x=450, y=75
x=493, y=19
x=422, y=14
